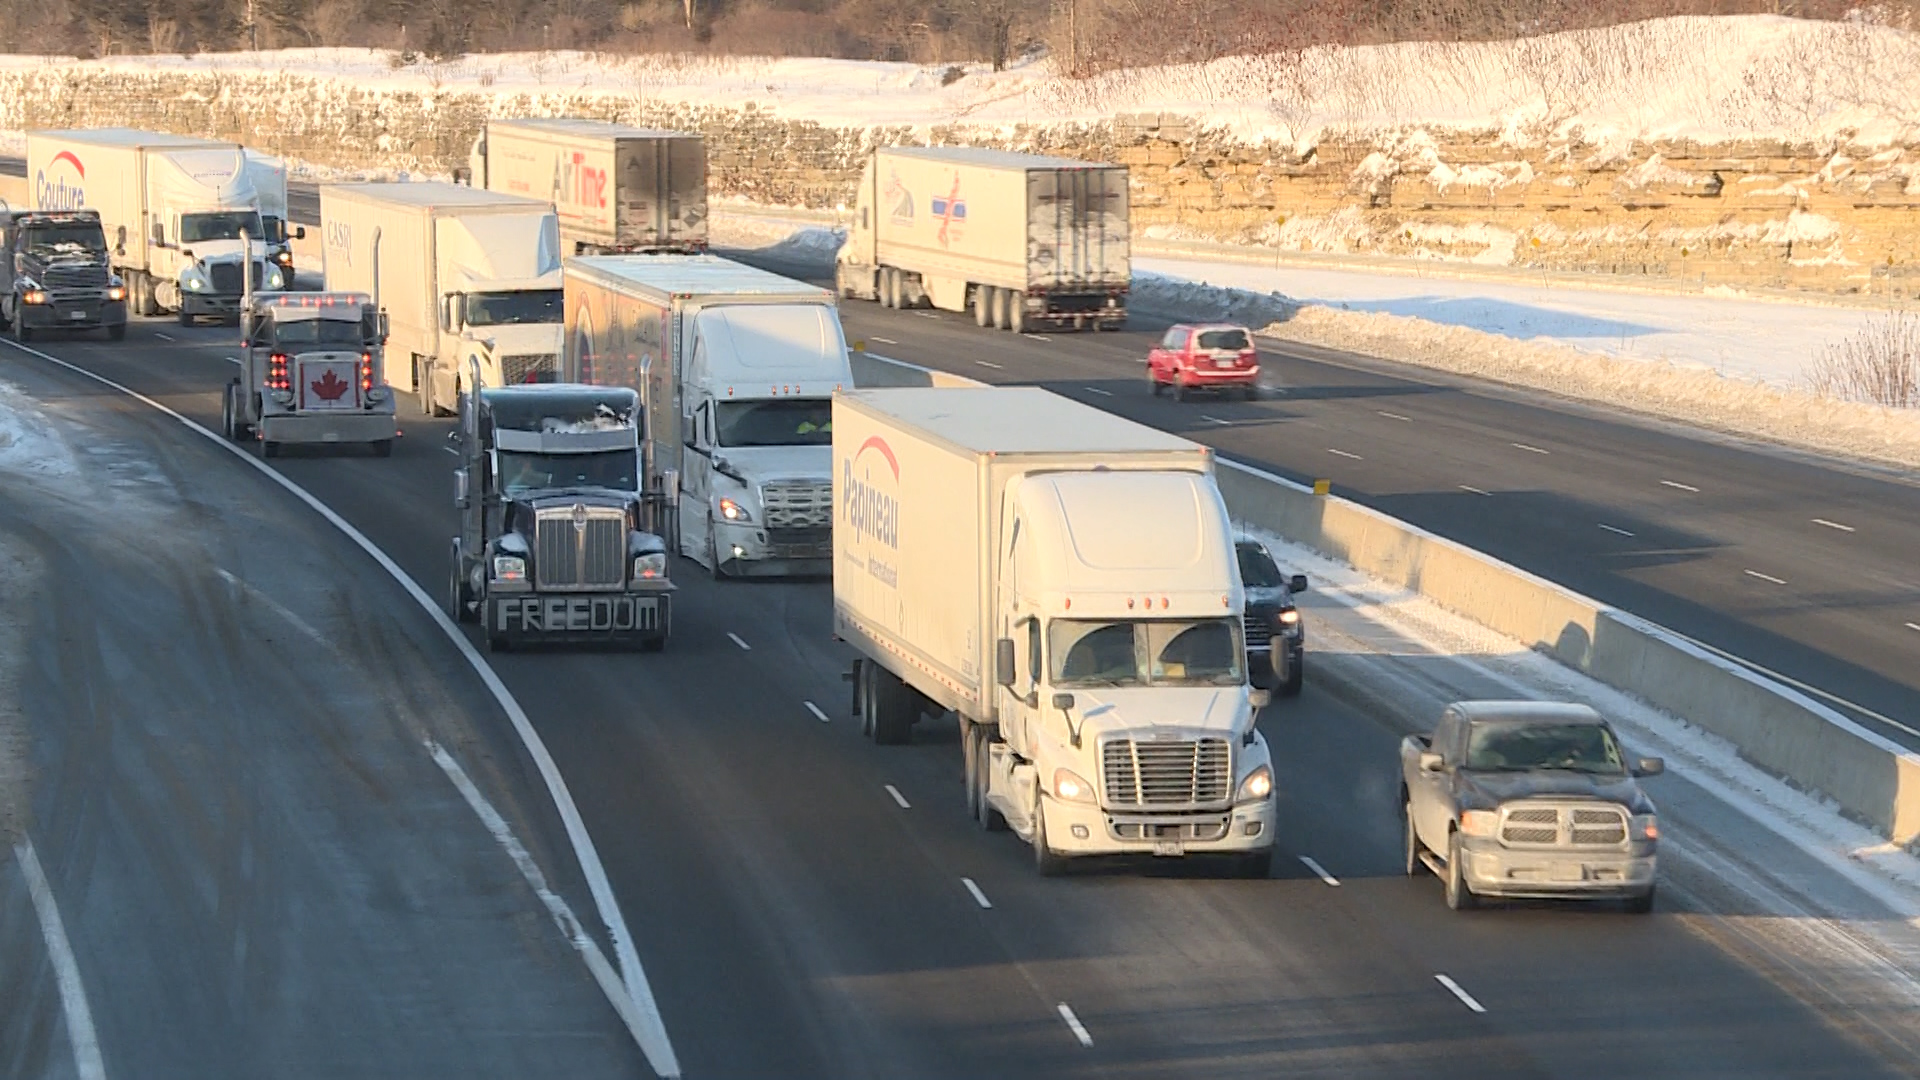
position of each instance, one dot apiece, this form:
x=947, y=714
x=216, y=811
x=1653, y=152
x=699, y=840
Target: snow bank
x=30, y=447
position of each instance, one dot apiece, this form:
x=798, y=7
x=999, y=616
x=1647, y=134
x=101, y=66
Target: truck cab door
x=1433, y=802
x=473, y=458
x=696, y=478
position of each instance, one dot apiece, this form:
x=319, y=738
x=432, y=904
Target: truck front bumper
x=342, y=426
x=577, y=618
x=209, y=305
x=75, y=315
x=1565, y=873
x=748, y=550
x=1076, y=829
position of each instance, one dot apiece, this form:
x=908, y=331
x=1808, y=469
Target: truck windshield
x=1524, y=747
x=789, y=422
x=1159, y=652
x=226, y=225
x=321, y=332
x=64, y=240
x=521, y=472
x=514, y=308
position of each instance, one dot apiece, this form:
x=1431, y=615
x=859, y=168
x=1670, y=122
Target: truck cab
x=312, y=372
x=59, y=277
x=757, y=485
x=508, y=331
x=210, y=245
x=556, y=544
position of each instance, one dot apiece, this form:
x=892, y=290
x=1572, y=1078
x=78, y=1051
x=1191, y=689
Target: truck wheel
x=1640, y=905
x=226, y=412
x=1296, y=679
x=654, y=645
x=1412, y=835
x=1044, y=859
x=185, y=318
x=892, y=710
x=889, y=288
x=969, y=735
x=1001, y=320
x=1459, y=896
x=982, y=307
x=713, y=553
x=497, y=644
x=1016, y=313
x=383, y=448
x=990, y=820
x=459, y=597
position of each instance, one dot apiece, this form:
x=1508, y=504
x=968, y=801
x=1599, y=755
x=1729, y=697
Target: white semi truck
x=617, y=189
x=1024, y=242
x=174, y=209
x=465, y=276
x=270, y=184
x=736, y=369
x=1065, y=581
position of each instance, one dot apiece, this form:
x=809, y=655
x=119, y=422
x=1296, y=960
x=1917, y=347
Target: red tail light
x=277, y=372
x=1248, y=356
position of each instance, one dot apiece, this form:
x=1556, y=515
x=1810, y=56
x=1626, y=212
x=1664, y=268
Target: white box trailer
x=1022, y=241
x=464, y=275
x=736, y=369
x=174, y=209
x=1066, y=582
x=616, y=188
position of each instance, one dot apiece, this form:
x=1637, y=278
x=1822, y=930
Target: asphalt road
x=794, y=917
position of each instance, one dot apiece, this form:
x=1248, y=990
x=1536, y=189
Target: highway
x=263, y=872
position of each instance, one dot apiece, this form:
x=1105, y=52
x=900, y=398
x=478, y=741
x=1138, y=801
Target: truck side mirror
x=1298, y=583
x=460, y=494
x=1063, y=701
x=1259, y=698
x=299, y=232
x=382, y=323
x=1431, y=762
x=1649, y=766
x=1003, y=672
x=159, y=234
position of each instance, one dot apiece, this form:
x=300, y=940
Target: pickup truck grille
x=1165, y=774
x=1259, y=630
x=797, y=504
x=1541, y=824
x=570, y=557
x=530, y=368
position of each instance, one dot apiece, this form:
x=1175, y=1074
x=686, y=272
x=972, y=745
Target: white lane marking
x=66, y=970
x=988, y=363
x=1913, y=626
x=1611, y=529
x=1529, y=449
x=1216, y=420
x=1475, y=490
x=1097, y=390
x=451, y=450
x=884, y=340
x=899, y=798
x=1038, y=337
x=926, y=314
x=1394, y=416
x=161, y=336
x=737, y=640
x=563, y=916
x=978, y=896
x=815, y=710
x=1763, y=577
x=234, y=360
x=1321, y=871
x=1833, y=524
x=1344, y=454
x=1465, y=998
x=1682, y=487
x=646, y=1026
x=1074, y=1025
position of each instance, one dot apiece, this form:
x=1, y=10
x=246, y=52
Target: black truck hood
x=1499, y=787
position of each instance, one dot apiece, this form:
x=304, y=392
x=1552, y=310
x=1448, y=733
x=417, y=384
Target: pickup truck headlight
x=732, y=510
x=1257, y=786
x=34, y=296
x=509, y=568
x=1069, y=787
x=1480, y=822
x=1644, y=827
x=649, y=567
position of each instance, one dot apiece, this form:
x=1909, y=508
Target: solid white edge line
x=1465, y=998
x=815, y=710
x=66, y=969
x=1612, y=529
x=978, y=896
x=1913, y=626
x=1681, y=486
x=651, y=1035
x=1529, y=449
x=738, y=640
x=1344, y=454
x=1321, y=871
x=989, y=363
x=1833, y=525
x=1763, y=577
x=1074, y=1025
x=1097, y=390
x=1475, y=490
x=161, y=336
x=1394, y=416
x=899, y=798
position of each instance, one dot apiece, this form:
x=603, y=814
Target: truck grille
x=72, y=282
x=1168, y=774
x=224, y=278
x=1259, y=630
x=1564, y=826
x=798, y=504
x=800, y=543
x=530, y=368
x=580, y=548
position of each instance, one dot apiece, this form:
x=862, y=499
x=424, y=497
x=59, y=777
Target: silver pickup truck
x=1527, y=799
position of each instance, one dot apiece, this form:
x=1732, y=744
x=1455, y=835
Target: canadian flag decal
x=330, y=387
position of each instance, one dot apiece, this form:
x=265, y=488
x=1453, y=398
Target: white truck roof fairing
x=195, y=178
x=794, y=349
x=656, y=276
x=1087, y=536
x=128, y=138
x=491, y=250
x=1008, y=420
x=434, y=194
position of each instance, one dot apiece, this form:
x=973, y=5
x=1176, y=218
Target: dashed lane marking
x=1475, y=490
x=1529, y=449
x=1680, y=486
x=738, y=640
x=989, y=363
x=1612, y=529
x=1394, y=416
x=899, y=798
x=1465, y=998
x=1344, y=454
x=978, y=896
x=884, y=340
x=1321, y=871
x=1769, y=578
x=1097, y=390
x=1074, y=1025
x=815, y=710
x=1833, y=525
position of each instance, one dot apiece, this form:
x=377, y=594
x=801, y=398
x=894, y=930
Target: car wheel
x=1412, y=836
x=1251, y=393
x=990, y=820
x=1045, y=859
x=1179, y=388
x=1459, y=896
x=1642, y=904
x=1154, y=386
x=1296, y=678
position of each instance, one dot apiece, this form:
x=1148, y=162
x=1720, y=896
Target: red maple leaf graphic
x=330, y=387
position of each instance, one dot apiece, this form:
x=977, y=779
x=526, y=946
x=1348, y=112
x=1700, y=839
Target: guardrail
x=1774, y=727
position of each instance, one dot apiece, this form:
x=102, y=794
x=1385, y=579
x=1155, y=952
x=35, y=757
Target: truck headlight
x=1069, y=787
x=651, y=566
x=1644, y=827
x=116, y=292
x=34, y=296
x=284, y=258
x=194, y=282
x=1480, y=822
x=509, y=568
x=732, y=511
x=1257, y=786
x=274, y=281
x=1287, y=619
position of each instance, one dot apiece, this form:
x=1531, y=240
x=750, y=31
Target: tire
x=892, y=710
x=1016, y=313
x=1179, y=388
x=1412, y=837
x=1001, y=320
x=226, y=412
x=990, y=820
x=1296, y=678
x=185, y=318
x=146, y=303
x=383, y=448
x=889, y=288
x=498, y=644
x=1459, y=896
x=423, y=388
x=1045, y=860
x=1155, y=386
x=866, y=693
x=983, y=307
x=117, y=332
x=459, y=598
x=1254, y=867
x=654, y=645
x=1640, y=905
x=713, y=553
x=969, y=736
x=1251, y=393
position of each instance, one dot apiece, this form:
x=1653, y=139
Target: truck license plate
x=1169, y=847
x=77, y=316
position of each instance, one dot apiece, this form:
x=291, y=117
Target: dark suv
x=1276, y=638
